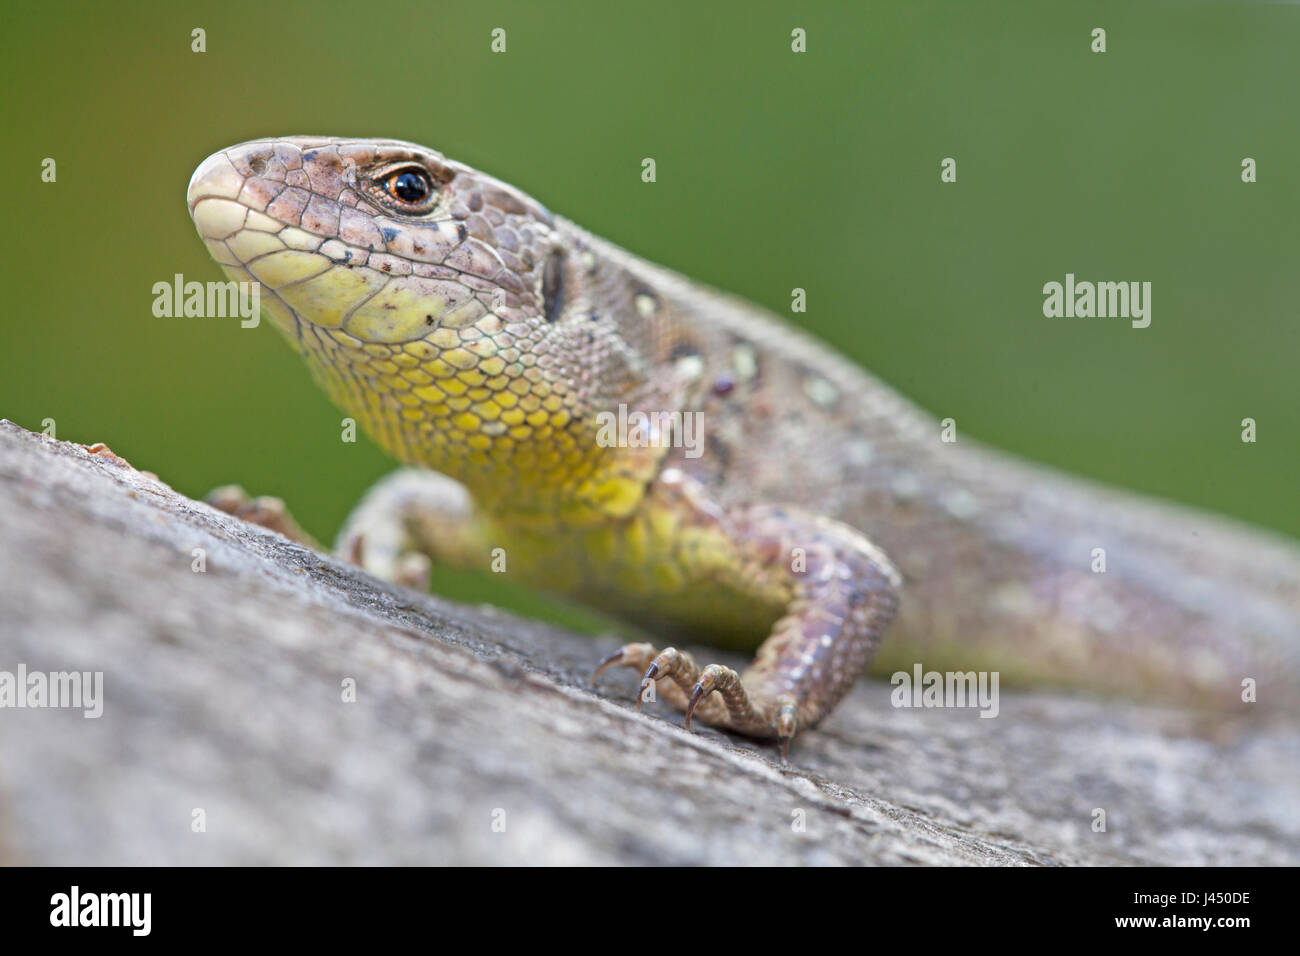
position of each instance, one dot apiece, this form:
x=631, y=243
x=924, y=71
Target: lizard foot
x=386, y=553
x=715, y=694
x=409, y=523
x=263, y=510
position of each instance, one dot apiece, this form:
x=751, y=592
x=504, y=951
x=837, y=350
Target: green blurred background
x=775, y=170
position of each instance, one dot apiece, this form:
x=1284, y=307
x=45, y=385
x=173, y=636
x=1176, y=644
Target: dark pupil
x=410, y=187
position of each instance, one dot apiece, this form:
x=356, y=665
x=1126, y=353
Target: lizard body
x=479, y=336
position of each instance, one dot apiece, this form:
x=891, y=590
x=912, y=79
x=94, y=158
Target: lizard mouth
x=283, y=213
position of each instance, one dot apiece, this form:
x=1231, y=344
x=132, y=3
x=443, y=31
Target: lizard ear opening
x=553, y=285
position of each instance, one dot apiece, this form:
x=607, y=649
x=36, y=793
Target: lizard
x=485, y=342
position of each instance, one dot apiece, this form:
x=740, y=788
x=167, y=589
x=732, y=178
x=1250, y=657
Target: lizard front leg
x=410, y=520
x=407, y=521
x=842, y=594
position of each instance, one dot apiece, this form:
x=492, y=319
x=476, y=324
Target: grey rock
x=223, y=692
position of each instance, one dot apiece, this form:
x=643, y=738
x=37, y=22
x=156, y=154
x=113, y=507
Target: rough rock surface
x=223, y=691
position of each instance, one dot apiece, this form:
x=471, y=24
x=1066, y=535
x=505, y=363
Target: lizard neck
x=535, y=456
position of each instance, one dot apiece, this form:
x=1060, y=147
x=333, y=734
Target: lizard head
x=437, y=305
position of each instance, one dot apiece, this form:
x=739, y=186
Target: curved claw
x=703, y=688
x=629, y=655
x=607, y=663
x=786, y=722
x=696, y=696
x=651, y=673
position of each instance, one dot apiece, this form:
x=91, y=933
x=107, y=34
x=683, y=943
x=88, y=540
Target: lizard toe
x=635, y=656
x=714, y=677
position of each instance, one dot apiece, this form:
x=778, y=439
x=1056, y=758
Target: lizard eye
x=411, y=186
x=408, y=187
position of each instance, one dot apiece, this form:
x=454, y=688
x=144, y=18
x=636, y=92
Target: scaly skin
x=476, y=334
